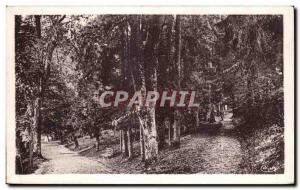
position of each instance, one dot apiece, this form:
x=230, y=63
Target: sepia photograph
x=156, y=94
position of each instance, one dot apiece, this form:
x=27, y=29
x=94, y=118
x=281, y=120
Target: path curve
x=61, y=160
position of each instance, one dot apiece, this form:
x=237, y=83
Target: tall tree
x=177, y=65
x=144, y=60
x=37, y=102
x=45, y=59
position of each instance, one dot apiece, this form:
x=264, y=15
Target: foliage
x=90, y=54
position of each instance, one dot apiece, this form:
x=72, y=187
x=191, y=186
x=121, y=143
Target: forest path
x=200, y=153
x=63, y=161
x=221, y=154
x=204, y=153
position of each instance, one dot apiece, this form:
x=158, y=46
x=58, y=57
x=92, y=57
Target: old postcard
x=150, y=95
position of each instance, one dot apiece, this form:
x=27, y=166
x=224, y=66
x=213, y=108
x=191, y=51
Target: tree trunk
x=137, y=64
x=197, y=118
x=147, y=121
x=30, y=149
x=128, y=82
x=97, y=142
x=142, y=143
x=135, y=134
x=43, y=80
x=37, y=128
x=130, y=145
x=76, y=142
x=96, y=134
x=29, y=113
x=161, y=135
x=170, y=137
x=177, y=114
x=176, y=127
x=151, y=63
x=37, y=105
x=145, y=61
x=121, y=140
x=124, y=143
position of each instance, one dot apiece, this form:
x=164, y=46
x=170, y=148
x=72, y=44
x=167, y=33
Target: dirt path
x=221, y=154
x=198, y=154
x=63, y=161
x=207, y=154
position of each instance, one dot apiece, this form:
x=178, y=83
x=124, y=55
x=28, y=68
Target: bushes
x=263, y=130
x=265, y=111
x=266, y=150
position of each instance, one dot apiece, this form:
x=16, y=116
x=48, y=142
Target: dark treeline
x=64, y=62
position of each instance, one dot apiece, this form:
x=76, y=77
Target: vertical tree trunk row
x=143, y=58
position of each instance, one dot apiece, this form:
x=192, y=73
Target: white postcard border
x=286, y=178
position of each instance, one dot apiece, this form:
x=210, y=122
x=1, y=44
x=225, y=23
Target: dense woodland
x=64, y=62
